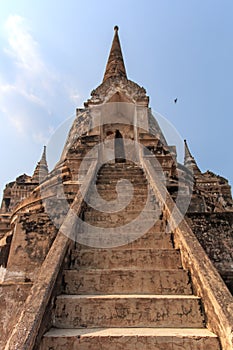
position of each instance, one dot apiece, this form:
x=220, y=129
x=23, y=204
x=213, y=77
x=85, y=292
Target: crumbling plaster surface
x=12, y=298
x=215, y=233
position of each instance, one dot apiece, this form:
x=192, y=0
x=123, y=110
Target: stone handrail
x=207, y=283
x=24, y=334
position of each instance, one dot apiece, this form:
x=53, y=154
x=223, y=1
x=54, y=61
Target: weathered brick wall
x=33, y=236
x=215, y=233
x=12, y=298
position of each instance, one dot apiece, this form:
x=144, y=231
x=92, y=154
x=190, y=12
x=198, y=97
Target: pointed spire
x=41, y=170
x=43, y=160
x=189, y=160
x=115, y=65
x=187, y=153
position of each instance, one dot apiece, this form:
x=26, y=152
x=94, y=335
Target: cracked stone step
x=138, y=225
x=125, y=214
x=121, y=175
x=157, y=240
x=142, y=190
x=95, y=216
x=120, y=166
x=113, y=195
x=75, y=311
x=120, y=223
x=127, y=281
x=111, y=181
x=151, y=240
x=123, y=258
x=125, y=175
x=133, y=204
x=127, y=198
x=113, y=175
x=141, y=227
x=130, y=339
x=112, y=184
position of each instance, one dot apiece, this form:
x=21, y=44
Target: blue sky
x=53, y=54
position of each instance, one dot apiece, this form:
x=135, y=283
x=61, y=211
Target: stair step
x=120, y=166
x=118, y=218
x=135, y=227
x=141, y=189
x=99, y=215
x=130, y=339
x=118, y=174
x=75, y=311
x=156, y=240
x=121, y=175
x=153, y=259
x=113, y=195
x=125, y=197
x=150, y=240
x=132, y=206
x=140, y=228
x=127, y=281
x=111, y=181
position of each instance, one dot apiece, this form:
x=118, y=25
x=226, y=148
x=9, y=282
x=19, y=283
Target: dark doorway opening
x=119, y=148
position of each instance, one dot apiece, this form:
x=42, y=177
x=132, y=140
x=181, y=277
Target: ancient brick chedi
x=104, y=251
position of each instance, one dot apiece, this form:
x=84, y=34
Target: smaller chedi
x=14, y=193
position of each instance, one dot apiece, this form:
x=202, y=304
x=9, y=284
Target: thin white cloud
x=18, y=123
x=31, y=99
x=40, y=138
x=33, y=78
x=74, y=96
x=18, y=89
x=22, y=47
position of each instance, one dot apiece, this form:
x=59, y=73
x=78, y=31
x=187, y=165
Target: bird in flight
x=175, y=100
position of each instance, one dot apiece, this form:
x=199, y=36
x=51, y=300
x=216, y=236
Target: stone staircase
x=135, y=296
